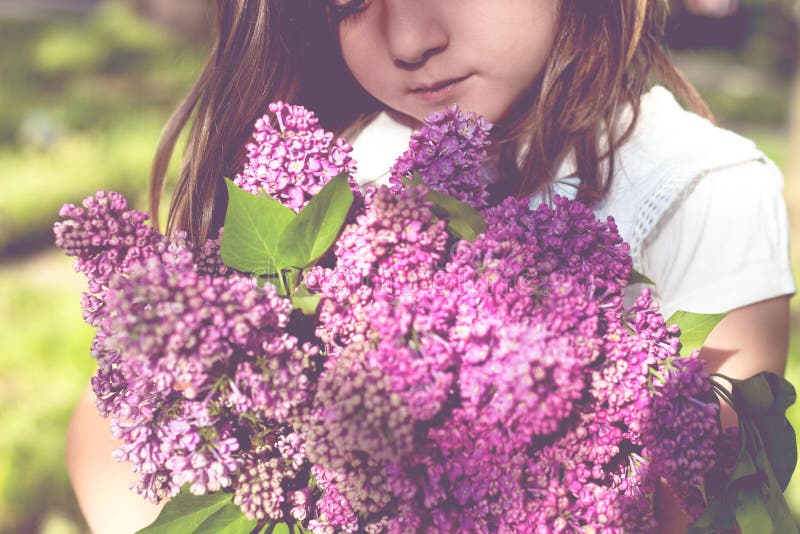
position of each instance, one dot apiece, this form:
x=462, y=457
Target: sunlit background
x=85, y=87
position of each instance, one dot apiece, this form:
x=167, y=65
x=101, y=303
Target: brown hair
x=263, y=51
x=605, y=54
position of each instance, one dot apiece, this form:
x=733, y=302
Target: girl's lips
x=440, y=90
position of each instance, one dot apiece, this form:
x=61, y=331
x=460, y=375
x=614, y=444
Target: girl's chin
x=417, y=117
x=414, y=116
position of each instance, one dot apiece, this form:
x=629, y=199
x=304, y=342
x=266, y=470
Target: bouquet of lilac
x=409, y=359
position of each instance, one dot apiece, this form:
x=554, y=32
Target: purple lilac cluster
x=295, y=160
x=448, y=153
x=518, y=353
x=105, y=238
x=493, y=385
x=683, y=417
x=570, y=239
x=528, y=361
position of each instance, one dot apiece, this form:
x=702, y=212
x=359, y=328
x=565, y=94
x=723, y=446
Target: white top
x=701, y=207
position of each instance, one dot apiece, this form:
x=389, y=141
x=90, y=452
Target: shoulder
x=726, y=243
x=669, y=153
x=702, y=209
x=669, y=142
x=665, y=130
x=738, y=188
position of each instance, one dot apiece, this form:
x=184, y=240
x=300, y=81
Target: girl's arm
x=101, y=484
x=749, y=340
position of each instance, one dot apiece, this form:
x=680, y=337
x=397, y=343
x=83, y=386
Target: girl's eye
x=343, y=9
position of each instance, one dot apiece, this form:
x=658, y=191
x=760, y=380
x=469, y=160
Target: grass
x=44, y=366
x=77, y=166
x=82, y=111
x=792, y=493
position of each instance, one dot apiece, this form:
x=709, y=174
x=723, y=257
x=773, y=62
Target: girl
x=571, y=89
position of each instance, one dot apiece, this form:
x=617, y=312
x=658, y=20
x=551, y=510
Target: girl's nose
x=413, y=32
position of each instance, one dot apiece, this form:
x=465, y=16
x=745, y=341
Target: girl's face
x=417, y=56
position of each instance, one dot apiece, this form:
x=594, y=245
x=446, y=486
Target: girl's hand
x=101, y=484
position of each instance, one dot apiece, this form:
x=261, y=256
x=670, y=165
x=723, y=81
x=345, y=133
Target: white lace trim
x=657, y=208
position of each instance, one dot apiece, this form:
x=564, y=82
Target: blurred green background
x=85, y=87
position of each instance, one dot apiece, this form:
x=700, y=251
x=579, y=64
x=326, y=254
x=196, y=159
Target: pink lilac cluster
x=196, y=369
x=448, y=153
x=390, y=252
x=293, y=160
x=105, y=238
x=535, y=368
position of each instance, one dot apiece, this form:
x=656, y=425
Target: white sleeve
x=727, y=244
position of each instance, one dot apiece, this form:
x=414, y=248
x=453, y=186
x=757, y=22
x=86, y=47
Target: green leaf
x=763, y=400
x=463, y=221
x=718, y=516
x=745, y=466
x=695, y=328
x=313, y=231
x=186, y=512
x=639, y=278
x=275, y=528
x=753, y=493
x=720, y=513
x=772, y=496
x=306, y=302
x=252, y=229
x=751, y=514
x=227, y=520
